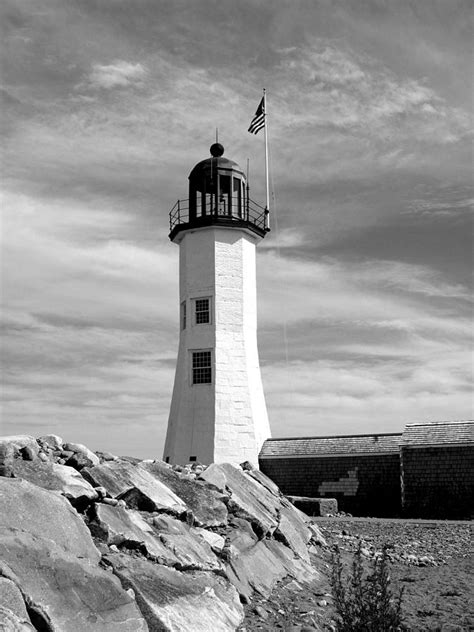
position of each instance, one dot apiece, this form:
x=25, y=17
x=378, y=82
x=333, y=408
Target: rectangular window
x=183, y=315
x=202, y=371
x=202, y=311
x=192, y=459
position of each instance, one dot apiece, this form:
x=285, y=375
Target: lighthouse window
x=202, y=311
x=202, y=372
x=183, y=315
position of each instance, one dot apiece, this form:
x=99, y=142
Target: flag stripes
x=258, y=121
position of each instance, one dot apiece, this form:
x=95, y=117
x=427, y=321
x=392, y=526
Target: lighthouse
x=218, y=411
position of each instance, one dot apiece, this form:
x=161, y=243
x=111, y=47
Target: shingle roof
x=331, y=446
x=438, y=433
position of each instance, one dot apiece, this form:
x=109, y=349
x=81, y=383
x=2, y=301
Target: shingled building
x=426, y=471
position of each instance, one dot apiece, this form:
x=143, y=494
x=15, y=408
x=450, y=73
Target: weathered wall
x=428, y=471
x=363, y=485
x=438, y=482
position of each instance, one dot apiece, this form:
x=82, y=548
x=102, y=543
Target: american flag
x=258, y=120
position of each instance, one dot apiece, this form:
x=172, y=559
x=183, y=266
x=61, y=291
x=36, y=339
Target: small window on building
x=202, y=311
x=192, y=458
x=167, y=460
x=202, y=371
x=183, y=315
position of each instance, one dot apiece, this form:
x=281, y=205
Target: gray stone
x=192, y=552
x=116, y=526
x=28, y=453
x=315, y=506
x=205, y=503
x=215, y=541
x=11, y=622
x=72, y=593
x=79, y=461
x=52, y=440
x=82, y=449
x=12, y=599
x=293, y=530
x=256, y=568
x=7, y=452
x=20, y=441
x=135, y=484
x=248, y=498
x=265, y=481
x=46, y=515
x=54, y=476
x=172, y=601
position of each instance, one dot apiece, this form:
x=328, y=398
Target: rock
x=107, y=456
x=11, y=622
x=215, y=541
x=12, y=599
x=315, y=506
x=135, y=485
x=205, y=503
x=82, y=449
x=72, y=593
x=7, y=452
x=191, y=552
x=51, y=440
x=43, y=456
x=28, y=453
x=57, y=477
x=116, y=526
x=316, y=535
x=79, y=461
x=265, y=481
x=248, y=498
x=293, y=531
x=261, y=612
x=172, y=601
x=50, y=552
x=45, y=515
x=20, y=441
x=255, y=569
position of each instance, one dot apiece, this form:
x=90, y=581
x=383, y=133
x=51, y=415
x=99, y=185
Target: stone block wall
x=364, y=485
x=438, y=481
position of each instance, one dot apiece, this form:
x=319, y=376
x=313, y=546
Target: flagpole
x=267, y=205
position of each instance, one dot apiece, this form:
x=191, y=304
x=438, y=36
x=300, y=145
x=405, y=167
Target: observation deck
x=228, y=213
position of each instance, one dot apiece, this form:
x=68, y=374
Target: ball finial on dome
x=217, y=150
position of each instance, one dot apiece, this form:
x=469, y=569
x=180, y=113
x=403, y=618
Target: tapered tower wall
x=225, y=420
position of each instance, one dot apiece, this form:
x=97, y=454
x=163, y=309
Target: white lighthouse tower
x=218, y=411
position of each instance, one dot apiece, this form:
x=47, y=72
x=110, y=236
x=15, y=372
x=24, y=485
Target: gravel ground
x=431, y=560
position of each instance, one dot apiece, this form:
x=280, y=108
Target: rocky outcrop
x=94, y=542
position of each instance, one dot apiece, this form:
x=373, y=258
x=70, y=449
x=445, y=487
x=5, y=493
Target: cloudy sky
x=364, y=298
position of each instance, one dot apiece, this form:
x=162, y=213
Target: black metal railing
x=227, y=209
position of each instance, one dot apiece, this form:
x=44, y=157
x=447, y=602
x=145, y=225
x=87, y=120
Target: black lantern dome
x=218, y=195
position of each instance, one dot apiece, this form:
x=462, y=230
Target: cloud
x=120, y=74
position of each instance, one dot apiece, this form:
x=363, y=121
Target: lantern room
x=218, y=195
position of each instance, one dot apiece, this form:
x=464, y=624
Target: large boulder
x=119, y=526
x=51, y=441
x=173, y=601
x=11, y=599
x=193, y=553
x=248, y=498
x=49, y=554
x=68, y=593
x=57, y=477
x=21, y=442
x=205, y=503
x=138, y=487
x=82, y=450
x=11, y=622
x=45, y=515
